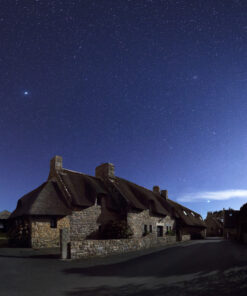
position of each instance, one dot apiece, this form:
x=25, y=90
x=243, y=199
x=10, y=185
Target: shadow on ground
x=51, y=253
x=175, y=261
x=219, y=284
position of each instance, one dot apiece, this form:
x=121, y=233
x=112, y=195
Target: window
x=150, y=228
x=192, y=214
x=230, y=214
x=159, y=231
x=170, y=228
x=53, y=223
x=185, y=213
x=167, y=228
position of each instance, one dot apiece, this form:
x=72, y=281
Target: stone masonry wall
x=84, y=223
x=91, y=248
x=137, y=220
x=43, y=236
x=186, y=237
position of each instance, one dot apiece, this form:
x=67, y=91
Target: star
x=26, y=92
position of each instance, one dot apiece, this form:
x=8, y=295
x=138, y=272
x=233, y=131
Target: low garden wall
x=92, y=248
x=186, y=237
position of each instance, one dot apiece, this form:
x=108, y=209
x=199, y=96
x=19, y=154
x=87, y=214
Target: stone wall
x=92, y=248
x=137, y=220
x=186, y=237
x=43, y=236
x=85, y=223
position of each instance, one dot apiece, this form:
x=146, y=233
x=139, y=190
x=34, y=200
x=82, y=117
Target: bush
x=170, y=232
x=116, y=230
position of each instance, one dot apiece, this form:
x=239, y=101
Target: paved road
x=206, y=267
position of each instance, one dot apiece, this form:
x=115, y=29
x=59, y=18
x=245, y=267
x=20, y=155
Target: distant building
x=4, y=215
x=242, y=224
x=103, y=214
x=231, y=224
x=214, y=222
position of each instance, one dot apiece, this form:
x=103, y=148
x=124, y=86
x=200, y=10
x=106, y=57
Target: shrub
x=116, y=230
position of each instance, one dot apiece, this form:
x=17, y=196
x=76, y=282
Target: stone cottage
x=214, y=223
x=102, y=213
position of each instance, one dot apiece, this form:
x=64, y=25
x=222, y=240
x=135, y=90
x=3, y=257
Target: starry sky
x=158, y=88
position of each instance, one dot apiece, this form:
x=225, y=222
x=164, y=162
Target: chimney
x=156, y=189
x=164, y=193
x=56, y=164
x=105, y=171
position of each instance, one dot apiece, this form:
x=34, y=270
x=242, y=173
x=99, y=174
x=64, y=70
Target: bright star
x=26, y=92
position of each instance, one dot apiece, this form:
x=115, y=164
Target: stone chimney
x=164, y=193
x=105, y=171
x=156, y=189
x=56, y=164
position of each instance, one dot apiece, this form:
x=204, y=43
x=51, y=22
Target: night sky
x=158, y=88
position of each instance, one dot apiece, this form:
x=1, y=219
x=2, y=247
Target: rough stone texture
x=43, y=236
x=91, y=248
x=137, y=220
x=64, y=242
x=186, y=237
x=85, y=223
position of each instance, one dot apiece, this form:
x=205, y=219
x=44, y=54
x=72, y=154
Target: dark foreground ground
x=209, y=267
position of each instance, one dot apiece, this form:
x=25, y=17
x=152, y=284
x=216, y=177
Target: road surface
x=205, y=267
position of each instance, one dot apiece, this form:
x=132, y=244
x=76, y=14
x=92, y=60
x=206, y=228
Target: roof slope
x=82, y=188
x=186, y=215
x=139, y=197
x=212, y=221
x=70, y=189
x=44, y=200
x=4, y=215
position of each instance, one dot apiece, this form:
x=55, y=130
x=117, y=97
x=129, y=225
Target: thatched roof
x=70, y=189
x=4, y=215
x=45, y=200
x=82, y=188
x=139, y=197
x=185, y=215
x=212, y=221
